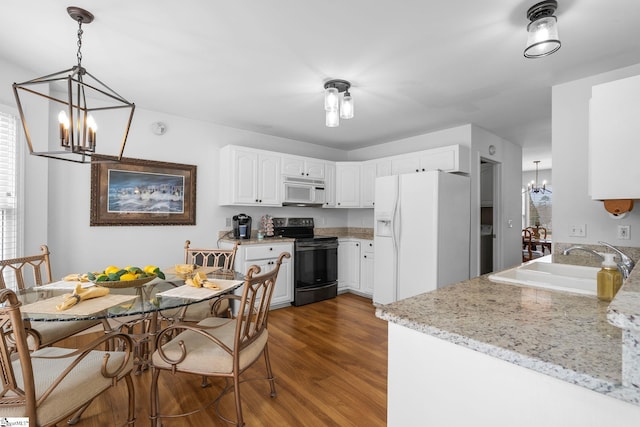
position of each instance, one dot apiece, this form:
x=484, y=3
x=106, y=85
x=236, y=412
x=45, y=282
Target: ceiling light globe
x=332, y=119
x=542, y=37
x=331, y=99
x=346, y=109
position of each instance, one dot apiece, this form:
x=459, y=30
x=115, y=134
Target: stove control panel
x=293, y=222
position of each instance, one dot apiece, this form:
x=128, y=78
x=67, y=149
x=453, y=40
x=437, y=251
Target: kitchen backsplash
x=355, y=232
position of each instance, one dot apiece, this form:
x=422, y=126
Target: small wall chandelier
x=542, y=31
x=337, y=107
x=81, y=101
x=533, y=185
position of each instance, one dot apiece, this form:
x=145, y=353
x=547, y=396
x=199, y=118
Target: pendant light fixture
x=80, y=102
x=542, y=31
x=337, y=106
x=533, y=185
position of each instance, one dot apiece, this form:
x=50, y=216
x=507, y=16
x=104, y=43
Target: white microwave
x=303, y=192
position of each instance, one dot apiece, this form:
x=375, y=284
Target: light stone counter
x=555, y=333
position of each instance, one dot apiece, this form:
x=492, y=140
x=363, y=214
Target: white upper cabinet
x=303, y=167
x=367, y=184
x=249, y=177
x=347, y=184
x=614, y=129
x=383, y=167
x=329, y=185
x=452, y=158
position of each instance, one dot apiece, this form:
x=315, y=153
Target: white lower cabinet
x=265, y=255
x=366, y=267
x=348, y=264
x=355, y=266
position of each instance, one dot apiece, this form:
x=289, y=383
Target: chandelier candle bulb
x=92, y=128
x=64, y=128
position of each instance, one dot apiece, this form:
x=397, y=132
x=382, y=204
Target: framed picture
x=142, y=192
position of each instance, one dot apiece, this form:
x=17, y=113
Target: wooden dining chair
x=52, y=384
x=529, y=250
x=35, y=270
x=218, y=347
x=223, y=258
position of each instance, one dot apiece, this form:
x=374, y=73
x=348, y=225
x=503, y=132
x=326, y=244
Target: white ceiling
x=415, y=65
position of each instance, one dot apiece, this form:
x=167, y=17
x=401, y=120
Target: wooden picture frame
x=142, y=192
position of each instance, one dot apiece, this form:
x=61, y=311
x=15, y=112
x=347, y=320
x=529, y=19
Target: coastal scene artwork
x=145, y=192
x=142, y=192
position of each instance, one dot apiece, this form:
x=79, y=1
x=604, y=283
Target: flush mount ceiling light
x=542, y=31
x=337, y=107
x=80, y=102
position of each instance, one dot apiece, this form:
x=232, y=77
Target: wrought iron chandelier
x=80, y=102
x=533, y=185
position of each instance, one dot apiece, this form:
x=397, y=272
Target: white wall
x=570, y=137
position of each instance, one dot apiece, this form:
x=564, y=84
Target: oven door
x=315, y=271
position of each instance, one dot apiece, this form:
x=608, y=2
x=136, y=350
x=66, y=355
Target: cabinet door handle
x=270, y=249
x=417, y=170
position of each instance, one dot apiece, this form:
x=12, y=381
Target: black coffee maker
x=242, y=226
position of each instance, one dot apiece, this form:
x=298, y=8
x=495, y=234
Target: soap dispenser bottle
x=609, y=278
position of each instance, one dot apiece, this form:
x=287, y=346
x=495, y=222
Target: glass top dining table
x=144, y=299
x=138, y=311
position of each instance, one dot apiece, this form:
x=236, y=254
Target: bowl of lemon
x=127, y=277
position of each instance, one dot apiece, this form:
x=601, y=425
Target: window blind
x=8, y=189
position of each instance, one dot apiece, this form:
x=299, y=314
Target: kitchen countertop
x=340, y=232
x=560, y=334
x=255, y=241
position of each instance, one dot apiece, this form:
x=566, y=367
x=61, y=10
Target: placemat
x=66, y=285
x=205, y=270
x=191, y=292
x=83, y=308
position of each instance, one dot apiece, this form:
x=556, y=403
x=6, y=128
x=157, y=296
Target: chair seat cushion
x=205, y=357
x=51, y=332
x=84, y=382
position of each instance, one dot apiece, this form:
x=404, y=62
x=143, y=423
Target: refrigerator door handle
x=395, y=237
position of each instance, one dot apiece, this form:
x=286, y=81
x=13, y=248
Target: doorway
x=489, y=213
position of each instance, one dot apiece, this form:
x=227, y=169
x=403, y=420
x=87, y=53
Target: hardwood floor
x=330, y=364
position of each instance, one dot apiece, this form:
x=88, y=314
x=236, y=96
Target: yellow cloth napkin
x=81, y=294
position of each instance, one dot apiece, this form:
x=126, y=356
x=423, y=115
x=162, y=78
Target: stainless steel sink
x=561, y=277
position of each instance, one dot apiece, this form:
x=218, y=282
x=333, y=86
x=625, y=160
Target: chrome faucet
x=625, y=265
x=582, y=248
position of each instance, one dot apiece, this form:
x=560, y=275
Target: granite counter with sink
x=567, y=336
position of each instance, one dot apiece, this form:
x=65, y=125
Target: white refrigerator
x=421, y=236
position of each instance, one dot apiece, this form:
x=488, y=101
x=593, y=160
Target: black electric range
x=315, y=260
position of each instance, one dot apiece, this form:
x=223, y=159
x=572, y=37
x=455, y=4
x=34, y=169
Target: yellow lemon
x=128, y=276
x=111, y=269
x=150, y=269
